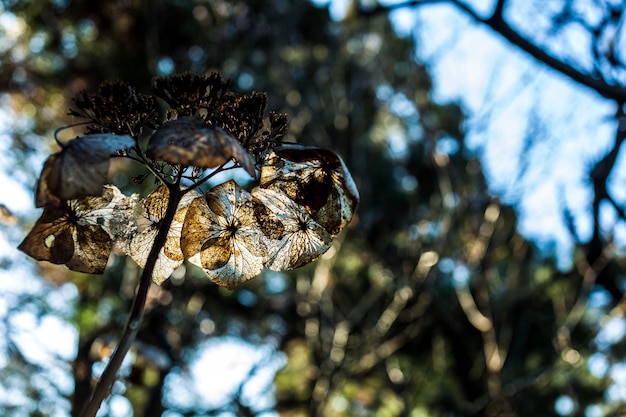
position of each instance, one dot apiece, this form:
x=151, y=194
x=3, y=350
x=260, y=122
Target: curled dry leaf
x=315, y=178
x=80, y=233
x=79, y=169
x=189, y=141
x=294, y=238
x=221, y=236
x=170, y=255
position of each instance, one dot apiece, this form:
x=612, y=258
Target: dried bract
x=77, y=234
x=220, y=234
x=117, y=218
x=316, y=179
x=170, y=255
x=293, y=238
x=189, y=141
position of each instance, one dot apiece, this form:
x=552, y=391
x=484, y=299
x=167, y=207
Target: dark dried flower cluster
x=117, y=108
x=189, y=93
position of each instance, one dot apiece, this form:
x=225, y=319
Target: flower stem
x=103, y=387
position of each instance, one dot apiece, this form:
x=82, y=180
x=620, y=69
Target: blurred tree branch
x=603, y=77
x=496, y=21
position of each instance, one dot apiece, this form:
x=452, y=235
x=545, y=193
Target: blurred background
x=483, y=274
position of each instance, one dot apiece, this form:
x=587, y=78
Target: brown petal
x=57, y=238
x=302, y=241
x=221, y=236
x=316, y=179
x=113, y=211
x=79, y=169
x=189, y=141
x=170, y=256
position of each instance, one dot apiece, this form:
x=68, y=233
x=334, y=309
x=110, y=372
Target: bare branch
x=500, y=26
x=589, y=273
x=499, y=9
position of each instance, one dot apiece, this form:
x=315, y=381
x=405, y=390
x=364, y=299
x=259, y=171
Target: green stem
x=103, y=387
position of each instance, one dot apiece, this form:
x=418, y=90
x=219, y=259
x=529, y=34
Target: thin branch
x=476, y=318
x=387, y=347
x=499, y=9
x=498, y=24
x=103, y=387
x=221, y=168
x=598, y=176
x=143, y=159
x=589, y=274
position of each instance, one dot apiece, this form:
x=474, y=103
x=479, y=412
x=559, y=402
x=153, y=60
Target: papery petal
x=294, y=238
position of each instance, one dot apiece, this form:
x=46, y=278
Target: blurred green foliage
x=430, y=304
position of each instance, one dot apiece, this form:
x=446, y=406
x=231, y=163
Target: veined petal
x=221, y=236
x=316, y=179
x=294, y=238
x=170, y=256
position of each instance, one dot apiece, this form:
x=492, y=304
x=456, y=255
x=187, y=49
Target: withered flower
x=117, y=108
x=305, y=197
x=293, y=238
x=220, y=235
x=170, y=255
x=188, y=93
x=316, y=179
x=80, y=233
x=243, y=117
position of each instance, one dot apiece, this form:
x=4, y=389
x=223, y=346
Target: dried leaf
x=170, y=255
x=294, y=238
x=314, y=178
x=74, y=234
x=79, y=169
x=220, y=235
x=189, y=141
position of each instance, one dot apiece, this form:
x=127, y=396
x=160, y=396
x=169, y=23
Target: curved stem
x=58, y=130
x=103, y=387
x=219, y=169
x=148, y=164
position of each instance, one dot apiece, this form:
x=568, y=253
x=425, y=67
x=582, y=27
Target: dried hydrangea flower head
x=190, y=128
